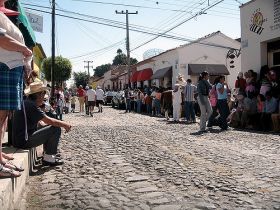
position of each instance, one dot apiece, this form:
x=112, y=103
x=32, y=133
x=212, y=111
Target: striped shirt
x=189, y=92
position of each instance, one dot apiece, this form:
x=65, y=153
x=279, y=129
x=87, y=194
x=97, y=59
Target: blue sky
x=75, y=38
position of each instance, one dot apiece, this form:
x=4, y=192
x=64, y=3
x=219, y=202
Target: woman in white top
x=176, y=102
x=12, y=54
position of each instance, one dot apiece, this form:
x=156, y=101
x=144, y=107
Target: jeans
x=223, y=108
x=157, y=107
x=149, y=108
x=127, y=104
x=59, y=113
x=139, y=105
x=189, y=110
x=48, y=136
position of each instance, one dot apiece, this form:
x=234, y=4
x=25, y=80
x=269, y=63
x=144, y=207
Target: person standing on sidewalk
x=91, y=97
x=13, y=54
x=176, y=102
x=81, y=94
x=203, y=88
x=222, y=105
x=127, y=98
x=25, y=125
x=99, y=98
x=189, y=92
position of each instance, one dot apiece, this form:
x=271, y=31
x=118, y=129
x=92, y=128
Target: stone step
x=11, y=189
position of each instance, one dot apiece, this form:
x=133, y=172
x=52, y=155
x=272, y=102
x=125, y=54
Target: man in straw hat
x=26, y=121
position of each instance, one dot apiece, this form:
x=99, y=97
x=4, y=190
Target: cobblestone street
x=115, y=160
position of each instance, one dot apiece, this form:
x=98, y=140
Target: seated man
x=26, y=121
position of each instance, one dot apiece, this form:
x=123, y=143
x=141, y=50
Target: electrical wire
x=182, y=22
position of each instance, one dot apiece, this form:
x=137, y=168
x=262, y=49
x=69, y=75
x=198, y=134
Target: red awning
x=9, y=12
x=134, y=76
x=145, y=75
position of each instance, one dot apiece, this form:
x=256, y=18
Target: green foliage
x=121, y=59
x=62, y=69
x=101, y=70
x=81, y=78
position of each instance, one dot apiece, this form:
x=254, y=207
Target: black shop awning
x=212, y=69
x=165, y=72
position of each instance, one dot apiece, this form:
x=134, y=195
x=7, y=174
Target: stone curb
x=11, y=189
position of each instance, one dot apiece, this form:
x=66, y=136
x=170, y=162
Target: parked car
x=109, y=96
x=118, y=100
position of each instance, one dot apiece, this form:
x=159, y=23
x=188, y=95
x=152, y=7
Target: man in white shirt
x=91, y=97
x=99, y=98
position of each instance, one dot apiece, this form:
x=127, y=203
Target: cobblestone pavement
x=130, y=161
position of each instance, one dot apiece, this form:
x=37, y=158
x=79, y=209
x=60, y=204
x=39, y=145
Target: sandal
x=8, y=173
x=6, y=156
x=12, y=166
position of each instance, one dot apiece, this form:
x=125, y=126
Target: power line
x=197, y=14
x=130, y=5
x=157, y=34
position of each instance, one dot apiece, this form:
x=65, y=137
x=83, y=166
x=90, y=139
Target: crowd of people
x=252, y=104
x=23, y=95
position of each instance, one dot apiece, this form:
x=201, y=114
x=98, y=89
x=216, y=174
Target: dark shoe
x=57, y=162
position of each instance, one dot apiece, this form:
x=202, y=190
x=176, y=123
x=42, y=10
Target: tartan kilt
x=11, y=87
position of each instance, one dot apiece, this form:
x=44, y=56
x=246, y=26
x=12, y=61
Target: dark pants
x=48, y=136
x=223, y=108
x=265, y=122
x=212, y=121
x=127, y=105
x=59, y=113
x=189, y=110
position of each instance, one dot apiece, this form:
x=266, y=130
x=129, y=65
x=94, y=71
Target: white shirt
x=91, y=95
x=99, y=94
x=11, y=58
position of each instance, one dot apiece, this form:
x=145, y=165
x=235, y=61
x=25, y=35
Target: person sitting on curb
x=26, y=123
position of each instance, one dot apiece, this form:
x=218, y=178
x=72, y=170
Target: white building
x=107, y=83
x=260, y=34
x=216, y=53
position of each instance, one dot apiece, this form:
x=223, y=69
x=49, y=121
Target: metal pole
x=53, y=48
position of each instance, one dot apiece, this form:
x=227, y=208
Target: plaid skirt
x=11, y=87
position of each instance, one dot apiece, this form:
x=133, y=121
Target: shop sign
x=257, y=21
x=276, y=13
x=36, y=21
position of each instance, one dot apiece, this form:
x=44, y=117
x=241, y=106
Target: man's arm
x=57, y=123
x=8, y=43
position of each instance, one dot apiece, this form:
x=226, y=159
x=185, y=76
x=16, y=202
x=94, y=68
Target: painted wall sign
x=257, y=21
x=276, y=9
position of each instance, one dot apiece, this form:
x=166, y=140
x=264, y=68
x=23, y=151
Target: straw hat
x=35, y=87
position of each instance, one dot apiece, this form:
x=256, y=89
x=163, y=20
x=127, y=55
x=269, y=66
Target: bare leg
x=3, y=127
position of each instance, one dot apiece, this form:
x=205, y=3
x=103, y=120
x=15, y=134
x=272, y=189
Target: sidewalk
x=11, y=189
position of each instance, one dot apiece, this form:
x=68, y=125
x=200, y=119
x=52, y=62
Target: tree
x=121, y=59
x=62, y=69
x=101, y=70
x=81, y=78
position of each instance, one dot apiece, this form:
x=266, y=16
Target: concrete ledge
x=11, y=189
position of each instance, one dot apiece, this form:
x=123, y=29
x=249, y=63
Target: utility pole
x=53, y=48
x=88, y=66
x=127, y=41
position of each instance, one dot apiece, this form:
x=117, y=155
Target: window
x=276, y=59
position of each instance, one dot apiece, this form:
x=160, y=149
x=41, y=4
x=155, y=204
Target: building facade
x=260, y=34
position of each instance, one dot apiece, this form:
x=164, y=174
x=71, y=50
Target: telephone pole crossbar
x=127, y=40
x=88, y=66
